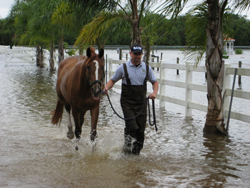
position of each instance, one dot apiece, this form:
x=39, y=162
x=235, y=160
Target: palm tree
x=34, y=27
x=42, y=27
x=62, y=17
x=131, y=15
x=139, y=22
x=214, y=52
x=22, y=13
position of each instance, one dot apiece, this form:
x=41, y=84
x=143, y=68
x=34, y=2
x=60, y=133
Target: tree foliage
x=91, y=32
x=196, y=25
x=7, y=31
x=240, y=27
x=30, y=16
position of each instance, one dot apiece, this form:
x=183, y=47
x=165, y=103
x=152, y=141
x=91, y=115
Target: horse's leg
x=70, y=133
x=94, y=118
x=78, y=129
x=78, y=119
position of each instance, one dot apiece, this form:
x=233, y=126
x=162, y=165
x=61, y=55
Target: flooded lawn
x=35, y=153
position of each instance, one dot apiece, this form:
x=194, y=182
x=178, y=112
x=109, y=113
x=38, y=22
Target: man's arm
x=155, y=90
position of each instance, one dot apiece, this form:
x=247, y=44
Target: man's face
x=136, y=58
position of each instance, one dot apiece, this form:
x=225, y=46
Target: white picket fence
x=20, y=55
x=189, y=87
x=28, y=55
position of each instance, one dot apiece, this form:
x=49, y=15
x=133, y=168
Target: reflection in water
x=35, y=153
x=218, y=156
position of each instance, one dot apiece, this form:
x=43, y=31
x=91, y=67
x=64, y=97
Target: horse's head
x=95, y=71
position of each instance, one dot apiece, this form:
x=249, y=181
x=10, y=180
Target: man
x=134, y=75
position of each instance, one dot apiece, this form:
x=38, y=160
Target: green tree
x=171, y=31
x=241, y=34
x=33, y=25
x=42, y=22
x=21, y=13
x=7, y=31
x=150, y=25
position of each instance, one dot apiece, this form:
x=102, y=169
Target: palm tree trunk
x=136, y=37
x=146, y=57
x=215, y=69
x=135, y=25
x=39, y=56
x=51, y=60
x=61, y=49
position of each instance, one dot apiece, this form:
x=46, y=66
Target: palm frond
x=196, y=33
x=172, y=8
x=242, y=5
x=96, y=28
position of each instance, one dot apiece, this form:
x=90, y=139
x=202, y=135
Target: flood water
x=35, y=153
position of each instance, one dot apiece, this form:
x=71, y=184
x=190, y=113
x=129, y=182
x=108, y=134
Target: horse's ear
x=101, y=53
x=88, y=52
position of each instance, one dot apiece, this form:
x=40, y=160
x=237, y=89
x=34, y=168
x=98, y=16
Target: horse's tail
x=57, y=113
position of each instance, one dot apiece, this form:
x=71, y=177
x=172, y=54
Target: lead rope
x=147, y=100
x=154, y=119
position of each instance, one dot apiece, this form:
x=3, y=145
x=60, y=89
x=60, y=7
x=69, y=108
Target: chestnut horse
x=78, y=88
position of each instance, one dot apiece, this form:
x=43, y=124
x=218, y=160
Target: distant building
x=229, y=45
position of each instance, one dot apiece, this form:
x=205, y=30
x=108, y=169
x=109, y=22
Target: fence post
x=177, y=71
x=162, y=86
x=106, y=72
x=188, y=96
x=157, y=62
x=152, y=56
x=120, y=54
x=110, y=67
x=239, y=76
x=226, y=85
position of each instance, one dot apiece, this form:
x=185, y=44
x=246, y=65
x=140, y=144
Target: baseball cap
x=136, y=49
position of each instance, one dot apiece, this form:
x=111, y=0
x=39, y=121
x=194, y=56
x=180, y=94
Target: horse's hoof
x=70, y=135
x=93, y=135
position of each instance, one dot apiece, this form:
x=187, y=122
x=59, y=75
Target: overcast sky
x=5, y=6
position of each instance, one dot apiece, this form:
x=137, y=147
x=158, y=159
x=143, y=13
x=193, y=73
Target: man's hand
x=155, y=90
x=104, y=91
x=152, y=96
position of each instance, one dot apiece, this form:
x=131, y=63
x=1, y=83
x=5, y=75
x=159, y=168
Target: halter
x=95, y=81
